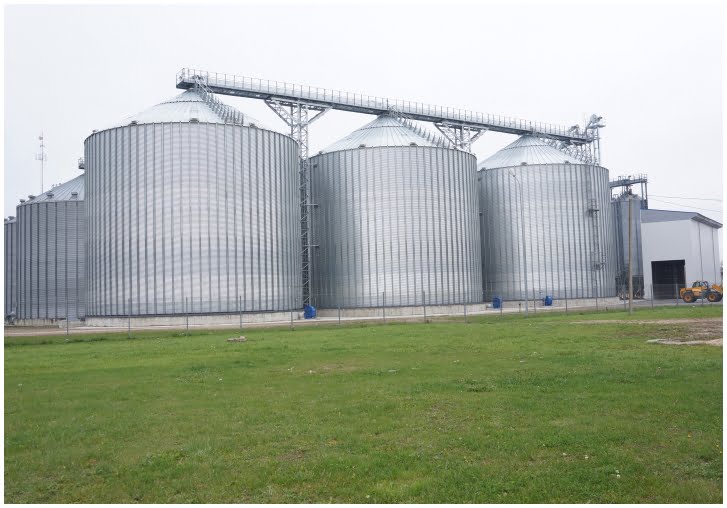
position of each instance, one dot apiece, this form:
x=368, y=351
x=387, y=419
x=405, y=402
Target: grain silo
x=193, y=208
x=620, y=210
x=51, y=254
x=394, y=220
x=11, y=270
x=546, y=224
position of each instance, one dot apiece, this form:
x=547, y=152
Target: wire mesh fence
x=237, y=312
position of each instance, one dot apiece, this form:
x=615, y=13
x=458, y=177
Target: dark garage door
x=667, y=277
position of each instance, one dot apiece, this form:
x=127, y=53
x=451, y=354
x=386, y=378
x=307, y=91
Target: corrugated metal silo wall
x=11, y=270
x=394, y=226
x=198, y=218
x=620, y=210
x=569, y=245
x=52, y=260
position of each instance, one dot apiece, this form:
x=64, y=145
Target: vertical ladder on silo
x=597, y=256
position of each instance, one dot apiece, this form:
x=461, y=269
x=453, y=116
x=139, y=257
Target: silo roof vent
x=72, y=189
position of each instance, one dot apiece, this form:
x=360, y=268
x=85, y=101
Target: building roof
x=62, y=192
x=529, y=150
x=650, y=215
x=184, y=107
x=387, y=130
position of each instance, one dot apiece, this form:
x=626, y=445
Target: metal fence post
x=383, y=305
x=128, y=316
x=566, y=300
x=676, y=293
x=186, y=312
x=339, y=314
x=239, y=306
x=465, y=312
x=290, y=290
x=424, y=303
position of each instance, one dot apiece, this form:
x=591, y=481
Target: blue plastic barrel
x=548, y=300
x=496, y=302
x=309, y=312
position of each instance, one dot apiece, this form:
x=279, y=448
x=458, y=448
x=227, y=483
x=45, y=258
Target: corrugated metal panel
x=385, y=130
x=620, y=211
x=187, y=217
x=394, y=224
x=527, y=150
x=183, y=108
x=569, y=235
x=11, y=268
x=51, y=258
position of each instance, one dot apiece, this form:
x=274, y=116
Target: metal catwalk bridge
x=240, y=86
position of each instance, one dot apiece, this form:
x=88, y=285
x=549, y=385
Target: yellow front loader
x=701, y=289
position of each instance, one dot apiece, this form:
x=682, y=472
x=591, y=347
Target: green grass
x=497, y=410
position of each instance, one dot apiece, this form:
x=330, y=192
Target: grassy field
x=502, y=409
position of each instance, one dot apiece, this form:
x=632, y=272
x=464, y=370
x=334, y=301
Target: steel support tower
x=297, y=114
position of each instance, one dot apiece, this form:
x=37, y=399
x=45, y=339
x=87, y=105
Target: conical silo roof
x=185, y=107
x=388, y=130
x=72, y=190
x=527, y=150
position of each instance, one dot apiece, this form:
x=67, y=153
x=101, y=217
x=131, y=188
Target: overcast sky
x=653, y=73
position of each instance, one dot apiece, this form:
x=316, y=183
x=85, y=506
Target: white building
x=678, y=248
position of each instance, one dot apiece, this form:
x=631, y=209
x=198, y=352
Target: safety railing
x=379, y=104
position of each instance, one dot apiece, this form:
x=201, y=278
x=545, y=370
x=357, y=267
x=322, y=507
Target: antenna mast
x=42, y=157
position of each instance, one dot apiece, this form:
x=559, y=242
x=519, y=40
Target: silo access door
x=667, y=277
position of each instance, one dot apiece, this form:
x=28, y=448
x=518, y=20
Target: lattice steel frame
x=297, y=116
x=461, y=136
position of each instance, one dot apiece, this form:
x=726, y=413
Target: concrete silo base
x=194, y=320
